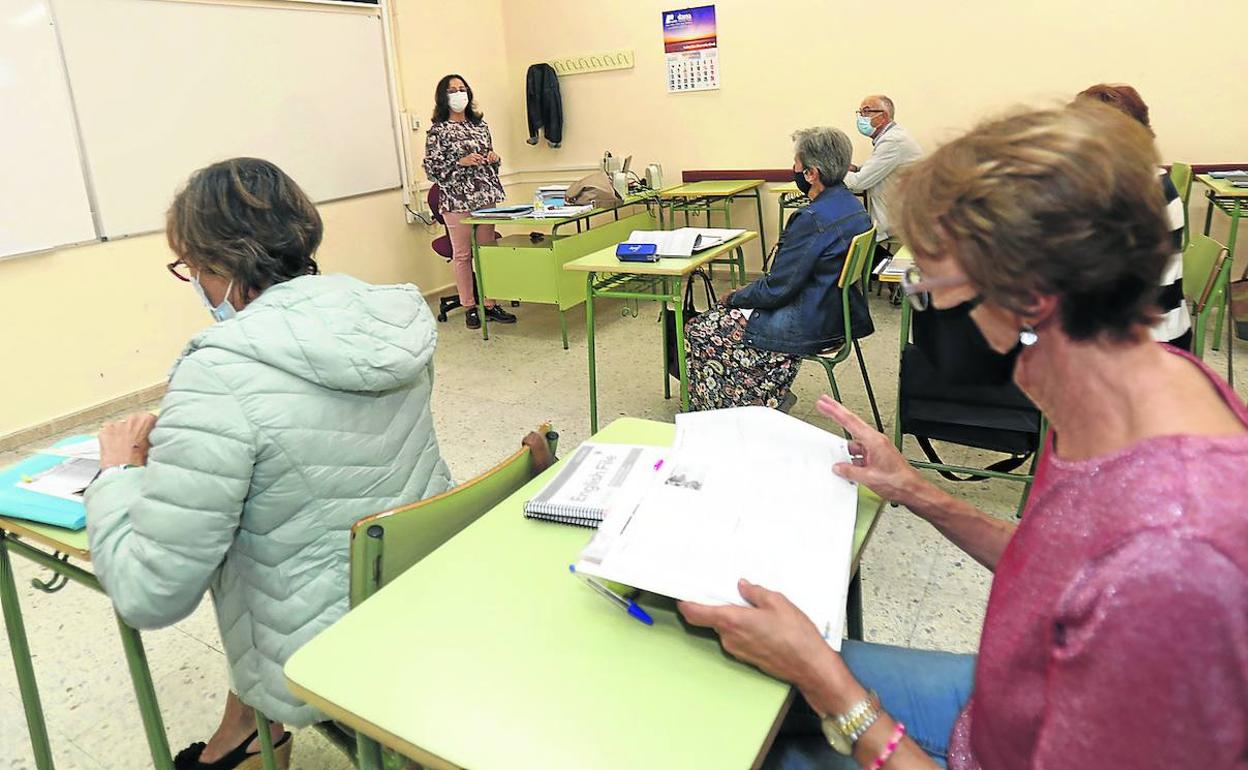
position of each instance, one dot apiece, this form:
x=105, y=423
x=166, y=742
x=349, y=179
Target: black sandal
x=238, y=757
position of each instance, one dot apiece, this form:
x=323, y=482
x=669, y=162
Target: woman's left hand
x=773, y=634
x=492, y=157
x=125, y=442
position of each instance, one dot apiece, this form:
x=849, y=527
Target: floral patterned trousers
x=725, y=371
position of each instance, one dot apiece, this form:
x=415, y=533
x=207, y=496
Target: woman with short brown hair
x=1116, y=634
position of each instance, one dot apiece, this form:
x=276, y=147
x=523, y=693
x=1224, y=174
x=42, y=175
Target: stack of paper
x=550, y=212
x=745, y=493
x=895, y=267
x=504, y=212
x=684, y=241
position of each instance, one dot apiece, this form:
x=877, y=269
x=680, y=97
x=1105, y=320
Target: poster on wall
x=692, y=49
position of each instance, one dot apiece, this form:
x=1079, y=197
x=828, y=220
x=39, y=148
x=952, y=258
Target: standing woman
x=460, y=158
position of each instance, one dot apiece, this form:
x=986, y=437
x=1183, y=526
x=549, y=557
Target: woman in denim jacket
x=747, y=352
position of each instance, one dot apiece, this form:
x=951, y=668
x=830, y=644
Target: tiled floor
x=919, y=589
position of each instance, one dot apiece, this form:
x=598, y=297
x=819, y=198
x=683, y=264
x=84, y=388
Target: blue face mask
x=222, y=312
x=864, y=126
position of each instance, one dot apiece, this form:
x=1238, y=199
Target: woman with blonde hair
x=1116, y=634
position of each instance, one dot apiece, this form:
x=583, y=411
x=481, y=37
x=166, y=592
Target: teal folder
x=18, y=503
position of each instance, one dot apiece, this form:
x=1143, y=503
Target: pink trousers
x=461, y=252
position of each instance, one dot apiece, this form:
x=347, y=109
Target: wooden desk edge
x=640, y=268
x=415, y=753
x=384, y=737
x=16, y=527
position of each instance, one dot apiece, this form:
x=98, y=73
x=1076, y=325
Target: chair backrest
x=385, y=545
x=1202, y=260
x=434, y=199
x=1181, y=176
x=857, y=261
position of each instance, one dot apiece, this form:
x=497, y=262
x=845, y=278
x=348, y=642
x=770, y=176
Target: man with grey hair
x=893, y=148
x=748, y=351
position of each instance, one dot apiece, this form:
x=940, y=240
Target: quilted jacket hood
x=332, y=330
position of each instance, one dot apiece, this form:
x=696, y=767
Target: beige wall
x=86, y=325
x=791, y=63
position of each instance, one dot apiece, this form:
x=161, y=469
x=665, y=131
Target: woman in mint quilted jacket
x=304, y=408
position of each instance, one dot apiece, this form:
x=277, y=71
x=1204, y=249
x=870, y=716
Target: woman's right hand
x=877, y=464
x=472, y=159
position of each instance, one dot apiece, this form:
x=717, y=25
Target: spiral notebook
x=595, y=478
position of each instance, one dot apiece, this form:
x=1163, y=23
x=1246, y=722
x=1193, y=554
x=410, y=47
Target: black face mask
x=799, y=179
x=954, y=344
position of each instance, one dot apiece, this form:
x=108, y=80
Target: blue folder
x=18, y=503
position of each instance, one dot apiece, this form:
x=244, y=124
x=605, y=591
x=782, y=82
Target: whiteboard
x=43, y=193
x=164, y=87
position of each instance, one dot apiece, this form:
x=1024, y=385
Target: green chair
x=385, y=545
x=856, y=272
x=1206, y=282
x=1181, y=176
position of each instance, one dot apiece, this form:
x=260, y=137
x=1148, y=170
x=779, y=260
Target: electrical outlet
x=415, y=123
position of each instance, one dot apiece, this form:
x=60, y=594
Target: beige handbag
x=596, y=189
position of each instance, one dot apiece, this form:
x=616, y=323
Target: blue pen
x=628, y=605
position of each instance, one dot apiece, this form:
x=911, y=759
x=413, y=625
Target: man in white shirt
x=893, y=149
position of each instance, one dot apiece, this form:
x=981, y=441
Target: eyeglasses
x=918, y=289
x=179, y=270
x=866, y=111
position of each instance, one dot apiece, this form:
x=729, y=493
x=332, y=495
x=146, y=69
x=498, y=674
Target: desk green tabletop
x=713, y=188
x=1222, y=187
x=631, y=200
x=67, y=541
x=604, y=260
x=488, y=654
x=788, y=188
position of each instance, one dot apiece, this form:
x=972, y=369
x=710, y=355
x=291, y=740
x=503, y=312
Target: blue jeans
x=924, y=689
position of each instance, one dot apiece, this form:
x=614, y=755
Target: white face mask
x=222, y=312
x=458, y=101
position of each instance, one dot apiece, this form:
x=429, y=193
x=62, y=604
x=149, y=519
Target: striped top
x=1175, y=320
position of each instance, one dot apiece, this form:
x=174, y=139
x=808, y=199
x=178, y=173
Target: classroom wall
x=787, y=64
x=94, y=323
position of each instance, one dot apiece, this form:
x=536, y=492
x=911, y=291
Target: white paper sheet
x=67, y=480
x=748, y=493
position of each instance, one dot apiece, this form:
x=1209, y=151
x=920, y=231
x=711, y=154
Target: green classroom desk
x=518, y=268
x=488, y=654
x=717, y=195
x=23, y=538
x=1232, y=201
x=661, y=281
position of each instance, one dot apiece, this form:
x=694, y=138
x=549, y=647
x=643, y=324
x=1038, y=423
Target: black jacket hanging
x=545, y=105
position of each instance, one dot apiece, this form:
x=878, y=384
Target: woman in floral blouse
x=460, y=158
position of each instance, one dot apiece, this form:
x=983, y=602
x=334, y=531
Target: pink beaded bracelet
x=893, y=743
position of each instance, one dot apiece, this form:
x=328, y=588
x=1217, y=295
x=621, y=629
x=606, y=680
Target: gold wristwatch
x=844, y=730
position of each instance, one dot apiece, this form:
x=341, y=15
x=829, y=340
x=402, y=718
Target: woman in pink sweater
x=1117, y=629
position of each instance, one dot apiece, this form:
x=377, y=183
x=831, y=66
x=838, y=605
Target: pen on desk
x=628, y=605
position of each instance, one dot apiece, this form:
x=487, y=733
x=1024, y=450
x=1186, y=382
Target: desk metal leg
x=762, y=232
x=265, y=735
x=1225, y=308
x=679, y=304
x=1208, y=215
x=368, y=752
x=665, y=287
x=853, y=606
x=589, y=345
x=21, y=661
x=563, y=327
x=476, y=276
x=145, y=693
